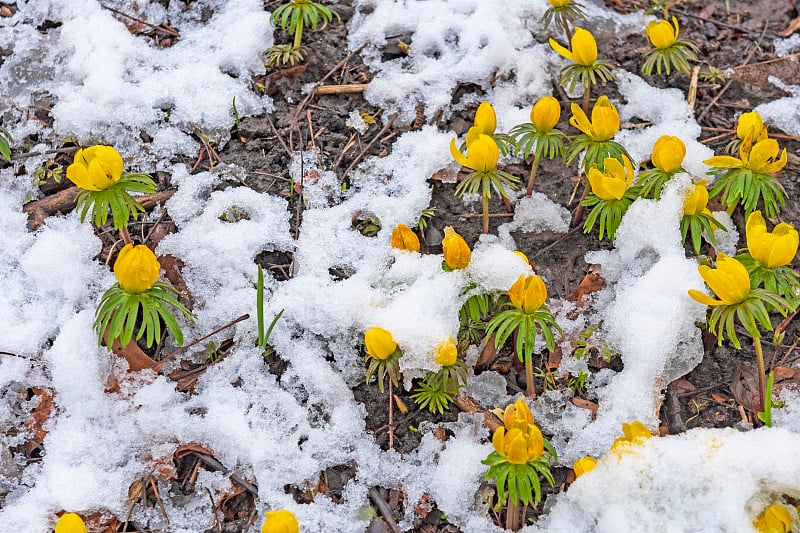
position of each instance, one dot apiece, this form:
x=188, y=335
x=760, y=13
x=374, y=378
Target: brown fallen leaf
x=793, y=26
x=487, y=354
x=136, y=358
x=783, y=373
x=172, y=267
x=185, y=449
x=719, y=397
x=470, y=405
x=591, y=283
x=682, y=386
x=586, y=404
x=744, y=386
x=39, y=415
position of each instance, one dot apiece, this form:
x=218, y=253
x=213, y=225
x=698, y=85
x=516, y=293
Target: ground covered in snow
x=254, y=169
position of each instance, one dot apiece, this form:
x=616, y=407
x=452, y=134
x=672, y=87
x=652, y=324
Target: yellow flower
x=605, y=120
x=523, y=256
x=762, y=157
x=519, y=446
x=696, y=201
x=729, y=281
x=446, y=353
x=584, y=465
x=771, y=249
x=379, y=343
x=485, y=119
x=614, y=181
x=404, y=239
x=774, y=519
x=528, y=293
x=136, y=268
x=635, y=433
x=95, y=168
x=559, y=3
x=545, y=114
x=456, y=251
x=282, y=521
x=583, y=48
x=517, y=415
x=70, y=523
x=482, y=153
x=661, y=33
x=668, y=153
x=751, y=126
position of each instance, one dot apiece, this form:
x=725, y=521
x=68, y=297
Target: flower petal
x=457, y=155
x=561, y=50
x=724, y=161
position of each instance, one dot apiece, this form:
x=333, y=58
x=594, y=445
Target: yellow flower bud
x=662, y=34
x=696, y=201
x=404, y=239
x=729, y=281
x=282, y=521
x=70, y=523
x=751, y=126
x=517, y=415
x=482, y=153
x=446, y=353
x=763, y=156
x=584, y=465
x=95, y=168
x=456, y=251
x=583, y=48
x=379, y=343
x=771, y=249
x=614, y=181
x=136, y=268
x=559, y=3
x=632, y=434
x=668, y=153
x=605, y=120
x=485, y=119
x=775, y=519
x=545, y=114
x=528, y=293
x=519, y=446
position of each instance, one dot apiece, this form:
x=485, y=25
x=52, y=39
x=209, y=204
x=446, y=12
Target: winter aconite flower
x=282, y=521
x=605, y=120
x=775, y=519
x=485, y=119
x=751, y=126
x=563, y=13
x=668, y=153
x=662, y=33
x=748, y=179
x=136, y=268
x=446, y=353
x=584, y=465
x=138, y=299
x=517, y=415
x=379, y=343
x=583, y=48
x=595, y=142
x=456, y=250
x=404, y=239
x=70, y=523
x=697, y=220
x=539, y=136
x=771, y=249
x=518, y=446
x=482, y=154
x=632, y=434
x=614, y=181
x=545, y=114
x=669, y=50
x=95, y=168
x=667, y=158
x=528, y=293
x=729, y=281
x=98, y=172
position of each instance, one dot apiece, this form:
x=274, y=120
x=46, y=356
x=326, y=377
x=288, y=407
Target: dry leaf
x=38, y=418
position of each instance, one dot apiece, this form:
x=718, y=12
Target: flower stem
x=391, y=415
x=762, y=379
x=512, y=516
x=529, y=388
x=298, y=34
x=126, y=237
x=586, y=91
x=565, y=25
x=534, y=170
x=485, y=213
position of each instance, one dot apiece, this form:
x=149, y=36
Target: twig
x=718, y=23
x=555, y=242
x=384, y=509
x=322, y=90
x=67, y=150
x=278, y=135
x=166, y=30
x=766, y=62
x=330, y=73
x=491, y=215
x=185, y=347
x=692, y=97
x=371, y=143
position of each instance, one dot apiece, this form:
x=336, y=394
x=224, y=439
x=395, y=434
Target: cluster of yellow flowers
x=519, y=441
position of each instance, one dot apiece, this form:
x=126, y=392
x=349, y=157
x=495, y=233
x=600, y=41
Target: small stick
x=371, y=143
x=340, y=89
x=330, y=73
x=161, y=364
x=692, y=97
x=384, y=508
x=391, y=417
x=166, y=30
x=492, y=215
x=766, y=62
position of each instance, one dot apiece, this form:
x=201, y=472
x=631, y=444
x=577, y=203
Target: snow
x=109, y=85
